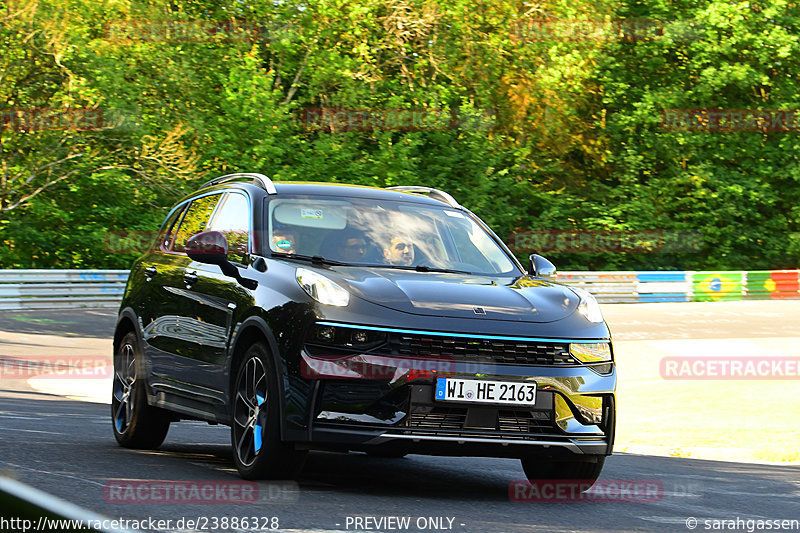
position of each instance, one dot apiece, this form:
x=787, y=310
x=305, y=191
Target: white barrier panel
x=653, y=287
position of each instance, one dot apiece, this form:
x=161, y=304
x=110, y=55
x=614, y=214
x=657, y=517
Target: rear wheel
x=136, y=424
x=258, y=451
x=585, y=469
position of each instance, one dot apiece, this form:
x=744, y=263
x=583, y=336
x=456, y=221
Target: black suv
x=339, y=317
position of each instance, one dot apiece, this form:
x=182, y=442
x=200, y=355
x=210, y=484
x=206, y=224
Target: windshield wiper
x=317, y=259
x=422, y=268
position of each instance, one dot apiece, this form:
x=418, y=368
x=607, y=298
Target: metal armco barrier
x=687, y=286
x=658, y=286
x=772, y=284
x=53, y=289
x=611, y=287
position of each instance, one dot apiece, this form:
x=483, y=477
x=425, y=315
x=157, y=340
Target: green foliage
x=536, y=118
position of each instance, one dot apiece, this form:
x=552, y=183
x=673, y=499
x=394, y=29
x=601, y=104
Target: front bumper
x=364, y=402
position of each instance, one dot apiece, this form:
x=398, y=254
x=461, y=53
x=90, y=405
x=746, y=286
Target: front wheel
x=258, y=451
x=585, y=469
x=136, y=424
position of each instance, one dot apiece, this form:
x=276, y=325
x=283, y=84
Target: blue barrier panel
x=665, y=297
x=658, y=275
x=663, y=286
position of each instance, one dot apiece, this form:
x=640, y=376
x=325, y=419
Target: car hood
x=522, y=299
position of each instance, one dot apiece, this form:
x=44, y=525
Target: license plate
x=485, y=391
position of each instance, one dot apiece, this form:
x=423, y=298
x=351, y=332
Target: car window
x=383, y=233
x=475, y=247
x=164, y=239
x=232, y=218
x=300, y=225
x=195, y=220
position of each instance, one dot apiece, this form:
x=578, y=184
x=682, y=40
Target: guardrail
x=53, y=289
x=687, y=286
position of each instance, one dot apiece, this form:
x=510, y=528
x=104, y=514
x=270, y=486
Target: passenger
x=400, y=251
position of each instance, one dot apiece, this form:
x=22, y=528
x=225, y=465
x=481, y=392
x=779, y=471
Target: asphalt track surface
x=66, y=448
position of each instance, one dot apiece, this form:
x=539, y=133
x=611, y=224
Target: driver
x=353, y=248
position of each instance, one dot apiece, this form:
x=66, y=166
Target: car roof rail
x=436, y=194
x=260, y=179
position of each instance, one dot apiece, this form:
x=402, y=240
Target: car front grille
x=479, y=350
x=454, y=419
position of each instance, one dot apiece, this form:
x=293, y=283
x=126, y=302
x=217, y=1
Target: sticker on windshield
x=283, y=244
x=310, y=213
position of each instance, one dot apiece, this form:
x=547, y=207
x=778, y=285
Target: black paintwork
x=193, y=322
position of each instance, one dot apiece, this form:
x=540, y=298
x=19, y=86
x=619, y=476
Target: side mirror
x=542, y=268
x=212, y=247
x=208, y=247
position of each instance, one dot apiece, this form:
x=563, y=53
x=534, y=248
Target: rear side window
x=232, y=219
x=165, y=236
x=195, y=221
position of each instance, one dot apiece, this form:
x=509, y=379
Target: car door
x=213, y=298
x=144, y=273
x=156, y=307
x=172, y=331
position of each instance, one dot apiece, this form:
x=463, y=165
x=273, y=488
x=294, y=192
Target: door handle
x=190, y=278
x=150, y=271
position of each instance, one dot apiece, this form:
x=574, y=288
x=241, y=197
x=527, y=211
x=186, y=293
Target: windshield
x=383, y=233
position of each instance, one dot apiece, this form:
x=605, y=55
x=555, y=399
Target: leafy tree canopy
x=605, y=119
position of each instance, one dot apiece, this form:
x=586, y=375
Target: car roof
x=320, y=189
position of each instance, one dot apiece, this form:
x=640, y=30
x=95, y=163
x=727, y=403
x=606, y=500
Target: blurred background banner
x=713, y=286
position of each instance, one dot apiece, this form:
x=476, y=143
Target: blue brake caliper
x=257, y=428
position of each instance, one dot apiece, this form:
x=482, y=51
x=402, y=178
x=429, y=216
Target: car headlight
x=345, y=337
x=322, y=289
x=588, y=306
x=596, y=352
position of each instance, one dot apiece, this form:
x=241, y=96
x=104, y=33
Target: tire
x=258, y=451
x=585, y=469
x=136, y=424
